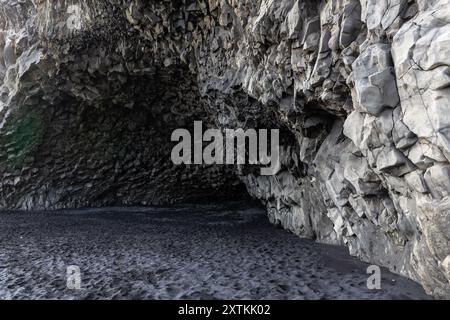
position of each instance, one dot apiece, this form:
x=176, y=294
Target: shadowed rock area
x=227, y=251
x=91, y=90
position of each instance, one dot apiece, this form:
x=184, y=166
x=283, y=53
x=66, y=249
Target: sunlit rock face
x=90, y=91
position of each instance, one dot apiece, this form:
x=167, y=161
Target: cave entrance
x=109, y=145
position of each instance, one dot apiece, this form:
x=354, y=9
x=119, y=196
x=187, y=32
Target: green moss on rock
x=23, y=134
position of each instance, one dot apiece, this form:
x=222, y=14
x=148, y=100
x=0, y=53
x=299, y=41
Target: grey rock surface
x=360, y=88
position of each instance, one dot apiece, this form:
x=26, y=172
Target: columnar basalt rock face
x=360, y=88
x=87, y=117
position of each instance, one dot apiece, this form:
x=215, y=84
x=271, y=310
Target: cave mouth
x=86, y=116
x=108, y=145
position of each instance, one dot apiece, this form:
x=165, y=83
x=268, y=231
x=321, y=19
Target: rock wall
x=87, y=120
x=359, y=87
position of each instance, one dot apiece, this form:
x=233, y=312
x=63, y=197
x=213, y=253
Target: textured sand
x=186, y=252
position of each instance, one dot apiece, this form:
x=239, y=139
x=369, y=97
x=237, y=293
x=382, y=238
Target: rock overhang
x=360, y=86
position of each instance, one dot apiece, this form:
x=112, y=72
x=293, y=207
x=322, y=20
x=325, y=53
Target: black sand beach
x=227, y=251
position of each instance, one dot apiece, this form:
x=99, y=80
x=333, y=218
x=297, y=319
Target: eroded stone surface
x=360, y=88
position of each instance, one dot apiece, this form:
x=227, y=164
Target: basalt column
x=91, y=90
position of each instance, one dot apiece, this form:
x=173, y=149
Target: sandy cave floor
x=227, y=251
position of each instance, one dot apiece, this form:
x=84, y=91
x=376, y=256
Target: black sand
x=186, y=252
